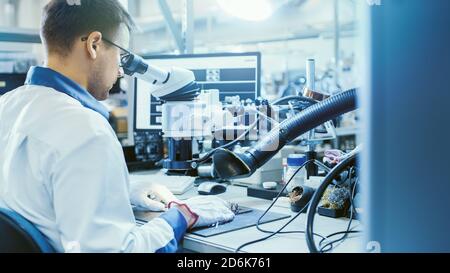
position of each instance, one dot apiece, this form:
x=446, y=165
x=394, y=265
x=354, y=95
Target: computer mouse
x=211, y=188
x=270, y=185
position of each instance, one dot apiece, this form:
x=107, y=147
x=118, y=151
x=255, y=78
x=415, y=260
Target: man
x=61, y=166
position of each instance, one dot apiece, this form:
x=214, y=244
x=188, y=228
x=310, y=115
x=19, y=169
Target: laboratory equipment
x=228, y=164
x=258, y=191
x=345, y=164
x=193, y=125
x=211, y=188
x=295, y=161
x=299, y=197
x=170, y=84
x=271, y=171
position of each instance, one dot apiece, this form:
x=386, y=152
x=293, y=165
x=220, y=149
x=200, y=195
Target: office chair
x=17, y=235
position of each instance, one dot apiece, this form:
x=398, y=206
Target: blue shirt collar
x=47, y=77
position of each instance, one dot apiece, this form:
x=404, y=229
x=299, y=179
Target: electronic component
x=148, y=146
x=258, y=191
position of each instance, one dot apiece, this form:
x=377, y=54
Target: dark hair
x=63, y=21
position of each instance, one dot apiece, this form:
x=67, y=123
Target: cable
x=349, y=161
x=245, y=164
x=326, y=169
x=279, y=231
x=299, y=98
x=287, y=232
x=346, y=232
x=272, y=121
x=330, y=244
x=210, y=153
x=337, y=170
x=338, y=233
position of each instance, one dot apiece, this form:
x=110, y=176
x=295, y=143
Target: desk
x=283, y=243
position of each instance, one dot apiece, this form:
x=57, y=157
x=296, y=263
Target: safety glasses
x=124, y=54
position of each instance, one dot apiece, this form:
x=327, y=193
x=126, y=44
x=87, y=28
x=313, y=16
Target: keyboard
x=176, y=184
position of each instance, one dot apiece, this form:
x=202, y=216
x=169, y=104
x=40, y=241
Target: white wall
x=29, y=13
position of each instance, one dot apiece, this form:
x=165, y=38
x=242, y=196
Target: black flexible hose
x=230, y=165
x=306, y=120
x=315, y=200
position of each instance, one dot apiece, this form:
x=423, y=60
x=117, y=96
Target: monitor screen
x=9, y=82
x=116, y=89
x=232, y=74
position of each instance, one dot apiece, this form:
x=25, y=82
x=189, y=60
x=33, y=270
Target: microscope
x=194, y=121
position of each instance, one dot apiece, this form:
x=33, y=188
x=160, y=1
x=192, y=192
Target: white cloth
x=148, y=196
x=63, y=169
x=211, y=210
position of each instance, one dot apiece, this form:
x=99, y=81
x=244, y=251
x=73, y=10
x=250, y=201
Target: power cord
x=294, y=97
x=279, y=231
x=327, y=181
x=349, y=161
x=210, y=153
x=346, y=232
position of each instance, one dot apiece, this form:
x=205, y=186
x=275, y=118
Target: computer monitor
x=116, y=89
x=11, y=81
x=231, y=73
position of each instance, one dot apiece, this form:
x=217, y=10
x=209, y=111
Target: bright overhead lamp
x=250, y=10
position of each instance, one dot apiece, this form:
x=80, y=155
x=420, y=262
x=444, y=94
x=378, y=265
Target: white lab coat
x=62, y=168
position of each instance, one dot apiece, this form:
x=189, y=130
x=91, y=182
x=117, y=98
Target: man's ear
x=93, y=44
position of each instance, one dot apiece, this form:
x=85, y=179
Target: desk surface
x=282, y=243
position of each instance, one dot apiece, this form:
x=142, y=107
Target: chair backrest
x=17, y=235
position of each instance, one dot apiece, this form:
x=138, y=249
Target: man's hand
x=150, y=196
x=206, y=211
